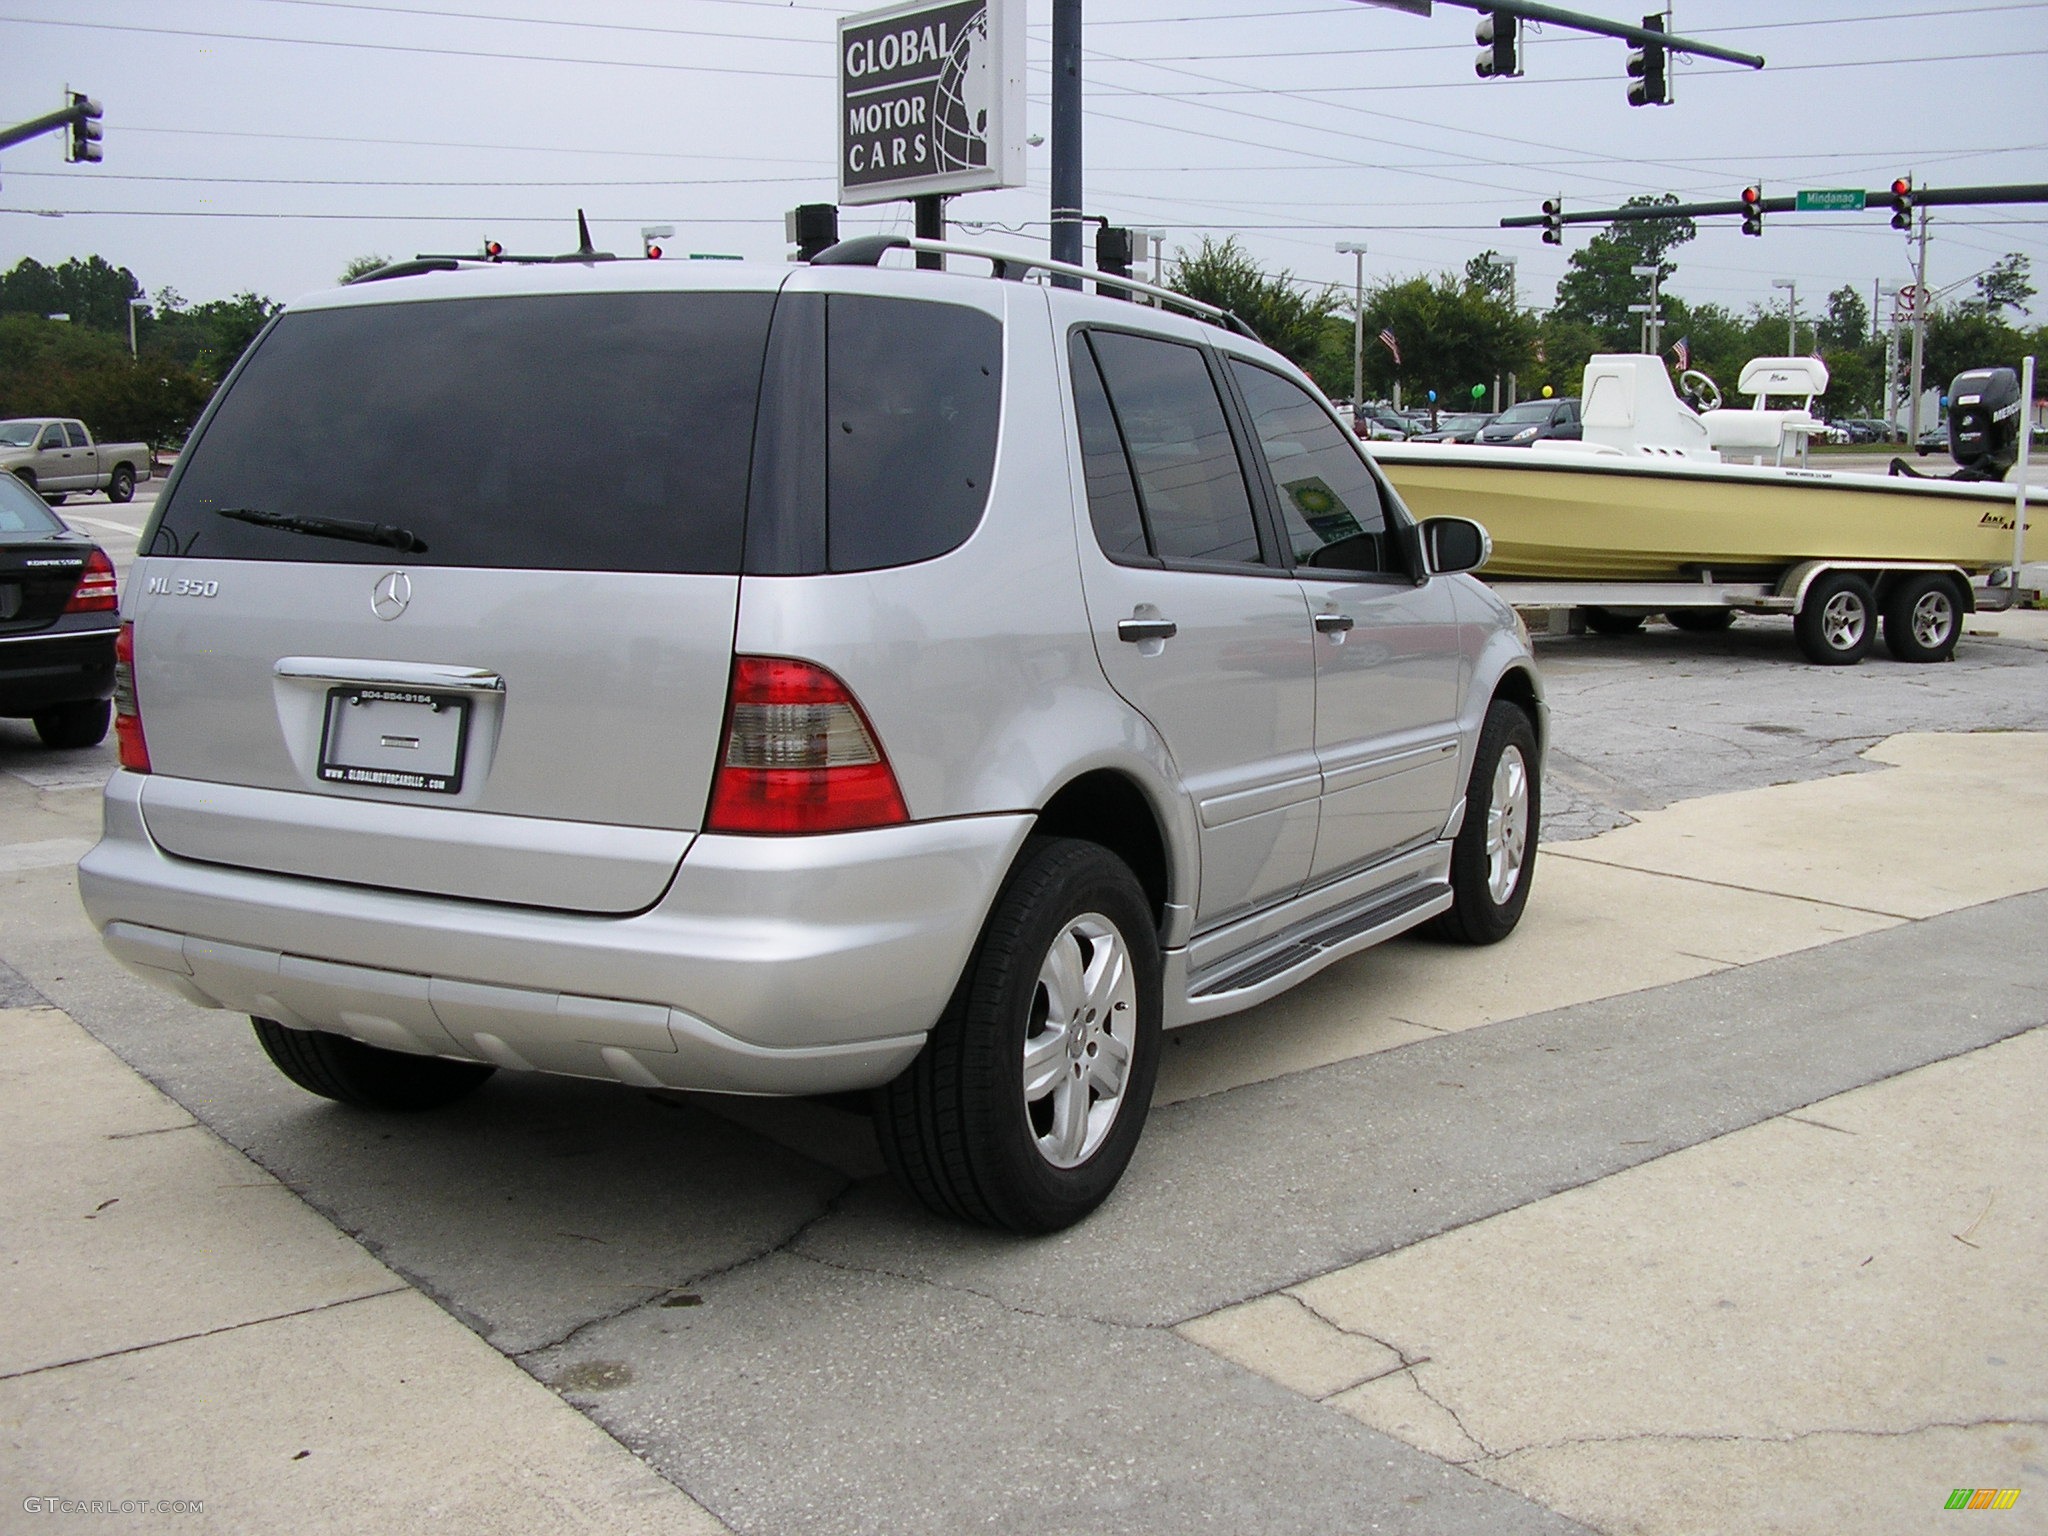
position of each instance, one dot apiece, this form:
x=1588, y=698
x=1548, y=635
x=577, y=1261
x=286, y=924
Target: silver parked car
x=795, y=680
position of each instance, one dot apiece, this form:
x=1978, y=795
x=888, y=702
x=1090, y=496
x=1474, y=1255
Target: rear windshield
x=23, y=511
x=572, y=431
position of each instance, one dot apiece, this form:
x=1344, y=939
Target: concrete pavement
x=1691, y=1079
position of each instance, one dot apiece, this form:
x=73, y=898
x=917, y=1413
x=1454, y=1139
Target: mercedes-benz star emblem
x=389, y=597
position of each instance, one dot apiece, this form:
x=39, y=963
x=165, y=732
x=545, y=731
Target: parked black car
x=59, y=615
x=1524, y=423
x=1455, y=427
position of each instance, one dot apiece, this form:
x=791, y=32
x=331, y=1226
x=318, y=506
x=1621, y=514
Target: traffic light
x=83, y=142
x=1553, y=220
x=653, y=250
x=812, y=228
x=493, y=250
x=1500, y=45
x=1113, y=257
x=1648, y=67
x=1752, y=210
x=1902, y=203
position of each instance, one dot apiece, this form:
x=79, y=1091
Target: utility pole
x=1351, y=248
x=1066, y=137
x=1791, y=288
x=1919, y=324
x=1891, y=355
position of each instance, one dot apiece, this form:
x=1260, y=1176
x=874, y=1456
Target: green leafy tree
x=2007, y=285
x=208, y=338
x=1847, y=324
x=93, y=293
x=1288, y=319
x=49, y=368
x=1598, y=285
x=358, y=265
x=1490, y=274
x=1453, y=334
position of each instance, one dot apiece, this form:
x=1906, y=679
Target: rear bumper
x=60, y=667
x=771, y=965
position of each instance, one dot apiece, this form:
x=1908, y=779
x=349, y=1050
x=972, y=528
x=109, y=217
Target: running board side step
x=1270, y=968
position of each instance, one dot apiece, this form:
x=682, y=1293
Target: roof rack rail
x=491, y=255
x=868, y=251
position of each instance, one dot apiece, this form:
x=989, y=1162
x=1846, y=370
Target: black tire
x=1701, y=621
x=1605, y=621
x=121, y=484
x=1923, y=617
x=80, y=724
x=366, y=1076
x=1478, y=914
x=959, y=1129
x=1837, y=623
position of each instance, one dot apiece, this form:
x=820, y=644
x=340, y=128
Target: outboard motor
x=1984, y=422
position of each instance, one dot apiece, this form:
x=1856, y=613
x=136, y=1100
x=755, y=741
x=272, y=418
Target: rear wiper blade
x=390, y=535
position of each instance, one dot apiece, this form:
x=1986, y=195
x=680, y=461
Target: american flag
x=1682, y=350
x=1393, y=346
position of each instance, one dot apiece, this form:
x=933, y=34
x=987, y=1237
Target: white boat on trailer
x=1656, y=511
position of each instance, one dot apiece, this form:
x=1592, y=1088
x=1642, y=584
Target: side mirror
x=1454, y=544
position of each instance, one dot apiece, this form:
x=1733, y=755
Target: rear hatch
x=441, y=598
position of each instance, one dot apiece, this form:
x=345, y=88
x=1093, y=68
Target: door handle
x=1136, y=630
x=1333, y=623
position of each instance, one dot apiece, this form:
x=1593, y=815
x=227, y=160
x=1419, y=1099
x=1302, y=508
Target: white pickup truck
x=53, y=456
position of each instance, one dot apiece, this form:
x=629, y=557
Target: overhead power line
x=418, y=48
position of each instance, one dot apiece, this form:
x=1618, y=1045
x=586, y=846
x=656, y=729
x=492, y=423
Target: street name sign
x=1830, y=200
x=931, y=100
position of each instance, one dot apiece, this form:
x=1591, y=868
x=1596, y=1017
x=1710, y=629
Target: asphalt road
x=733, y=1290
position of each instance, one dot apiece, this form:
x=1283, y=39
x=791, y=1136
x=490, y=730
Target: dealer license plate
x=394, y=738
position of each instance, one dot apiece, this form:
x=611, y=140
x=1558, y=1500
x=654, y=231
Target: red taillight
x=134, y=751
x=798, y=755
x=96, y=592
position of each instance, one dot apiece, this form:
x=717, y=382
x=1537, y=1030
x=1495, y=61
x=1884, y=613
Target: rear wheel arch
x=1110, y=809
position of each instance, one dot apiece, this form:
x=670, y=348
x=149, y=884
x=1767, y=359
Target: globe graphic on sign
x=966, y=97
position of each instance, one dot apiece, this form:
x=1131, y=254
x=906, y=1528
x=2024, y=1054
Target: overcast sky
x=260, y=144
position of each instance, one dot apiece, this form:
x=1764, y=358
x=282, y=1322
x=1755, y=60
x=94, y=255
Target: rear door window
x=1329, y=502
x=913, y=391
x=1191, y=487
x=76, y=432
x=572, y=431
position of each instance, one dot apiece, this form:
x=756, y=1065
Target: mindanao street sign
x=1830, y=200
x=931, y=99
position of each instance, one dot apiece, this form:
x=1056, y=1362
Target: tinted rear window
x=23, y=511
x=913, y=392
x=579, y=431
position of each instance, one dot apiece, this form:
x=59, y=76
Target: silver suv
x=791, y=681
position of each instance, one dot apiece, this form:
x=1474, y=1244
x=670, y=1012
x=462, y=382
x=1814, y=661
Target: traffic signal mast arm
x=81, y=111
x=1923, y=197
x=1524, y=10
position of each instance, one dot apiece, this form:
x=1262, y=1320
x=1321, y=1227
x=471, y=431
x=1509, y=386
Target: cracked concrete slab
x=1595, y=930
x=806, y=1397
x=1959, y=795
x=1245, y=1192
x=1751, y=715
x=1825, y=1289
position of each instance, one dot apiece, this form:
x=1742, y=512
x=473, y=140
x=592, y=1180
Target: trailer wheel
x=1606, y=621
x=1922, y=619
x=1701, y=621
x=1837, y=624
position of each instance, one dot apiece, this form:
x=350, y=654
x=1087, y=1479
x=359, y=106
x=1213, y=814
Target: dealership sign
x=931, y=100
